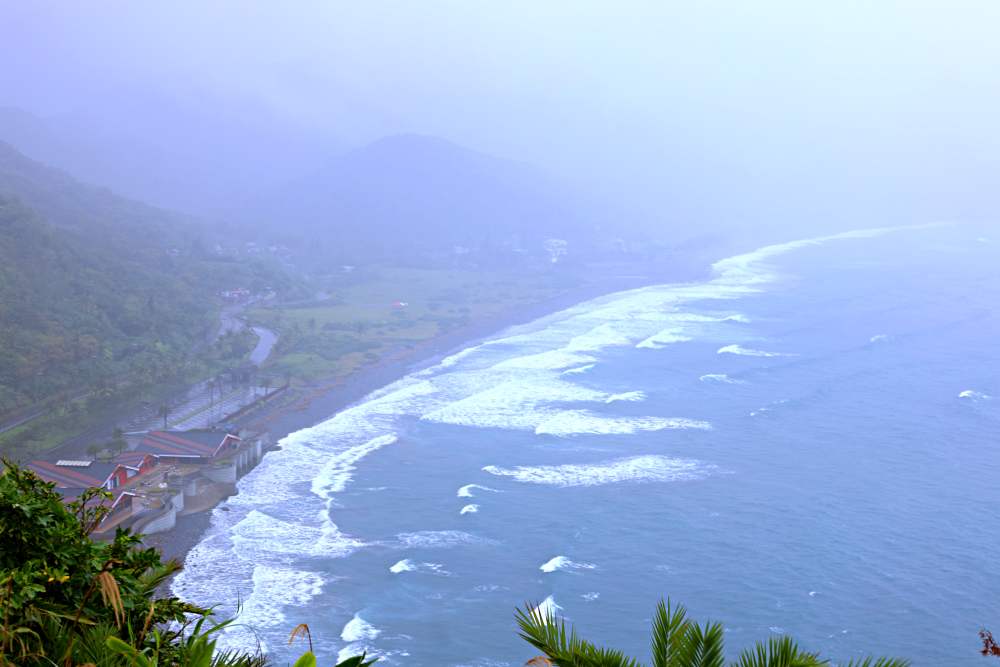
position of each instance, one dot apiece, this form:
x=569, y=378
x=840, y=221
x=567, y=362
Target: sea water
x=805, y=443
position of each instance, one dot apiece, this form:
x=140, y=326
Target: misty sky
x=726, y=109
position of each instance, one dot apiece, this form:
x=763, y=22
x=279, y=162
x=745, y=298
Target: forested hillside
x=99, y=294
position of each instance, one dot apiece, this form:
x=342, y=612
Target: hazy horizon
x=777, y=116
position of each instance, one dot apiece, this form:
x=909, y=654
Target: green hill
x=100, y=294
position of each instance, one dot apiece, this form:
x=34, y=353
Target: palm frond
x=564, y=648
x=878, y=662
x=669, y=627
x=703, y=646
x=779, y=652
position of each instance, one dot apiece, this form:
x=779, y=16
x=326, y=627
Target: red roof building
x=201, y=446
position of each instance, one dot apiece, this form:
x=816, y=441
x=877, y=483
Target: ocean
x=803, y=443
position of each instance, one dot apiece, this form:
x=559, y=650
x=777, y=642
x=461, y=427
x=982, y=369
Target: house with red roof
x=198, y=446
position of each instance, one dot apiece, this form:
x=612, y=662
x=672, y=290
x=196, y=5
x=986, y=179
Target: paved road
x=199, y=406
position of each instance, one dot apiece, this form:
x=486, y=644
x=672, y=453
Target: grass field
x=361, y=320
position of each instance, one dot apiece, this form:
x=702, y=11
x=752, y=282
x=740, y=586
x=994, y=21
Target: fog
x=777, y=118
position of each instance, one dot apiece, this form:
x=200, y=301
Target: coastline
x=322, y=400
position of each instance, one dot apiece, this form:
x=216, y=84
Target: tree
x=676, y=642
x=66, y=599
x=164, y=411
x=93, y=449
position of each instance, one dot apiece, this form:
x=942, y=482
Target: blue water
x=805, y=443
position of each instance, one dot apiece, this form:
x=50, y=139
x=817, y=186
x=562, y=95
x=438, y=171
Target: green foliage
x=56, y=583
x=66, y=599
x=676, y=642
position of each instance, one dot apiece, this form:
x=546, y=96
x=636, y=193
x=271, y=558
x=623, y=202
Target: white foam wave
x=440, y=539
x=720, y=378
x=515, y=404
x=565, y=564
x=259, y=536
x=749, y=352
x=631, y=396
x=548, y=607
x=649, y=468
x=471, y=508
x=466, y=491
x=405, y=565
x=590, y=597
x=336, y=471
x=358, y=629
x=583, y=422
x=664, y=338
x=552, y=360
x=274, y=588
x=880, y=338
x=578, y=370
x=974, y=395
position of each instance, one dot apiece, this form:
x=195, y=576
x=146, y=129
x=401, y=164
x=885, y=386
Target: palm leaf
x=779, y=652
x=878, y=662
x=564, y=649
x=669, y=627
x=702, y=647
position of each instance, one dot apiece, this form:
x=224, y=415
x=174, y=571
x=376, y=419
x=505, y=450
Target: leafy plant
x=676, y=642
x=58, y=587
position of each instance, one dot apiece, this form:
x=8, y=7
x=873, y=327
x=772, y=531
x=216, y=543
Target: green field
x=357, y=322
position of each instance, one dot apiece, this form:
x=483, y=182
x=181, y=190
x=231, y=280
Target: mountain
x=97, y=290
x=414, y=192
x=185, y=153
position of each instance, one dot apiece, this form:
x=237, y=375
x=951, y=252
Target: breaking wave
x=471, y=508
x=721, y=378
x=441, y=539
x=974, y=395
x=583, y=422
x=626, y=396
x=564, y=564
x=466, y=491
x=749, y=352
x=649, y=468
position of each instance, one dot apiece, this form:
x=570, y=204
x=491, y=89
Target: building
x=199, y=446
x=77, y=474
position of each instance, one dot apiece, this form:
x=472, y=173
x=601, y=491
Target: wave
x=466, y=491
x=578, y=370
x=974, y=395
x=358, y=629
x=650, y=468
x=547, y=607
x=583, y=422
x=515, y=404
x=357, y=632
x=565, y=564
x=471, y=508
x=336, y=471
x=663, y=339
x=259, y=536
x=552, y=360
x=880, y=338
x=626, y=396
x=721, y=378
x=274, y=588
x=441, y=539
x=746, y=269
x=407, y=565
x=748, y=352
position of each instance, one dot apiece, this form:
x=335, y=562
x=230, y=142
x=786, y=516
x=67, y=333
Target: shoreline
x=322, y=400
